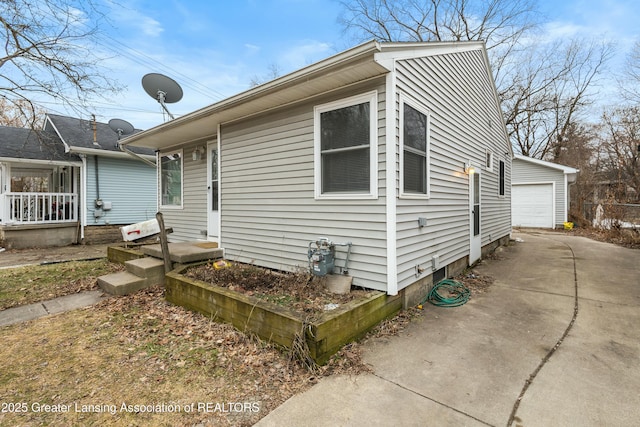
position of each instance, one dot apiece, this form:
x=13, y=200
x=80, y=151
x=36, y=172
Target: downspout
x=122, y=145
x=391, y=113
x=123, y=148
x=158, y=182
x=219, y=143
x=97, y=178
x=83, y=196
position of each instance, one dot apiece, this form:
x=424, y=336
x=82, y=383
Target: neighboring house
x=374, y=146
x=70, y=183
x=540, y=192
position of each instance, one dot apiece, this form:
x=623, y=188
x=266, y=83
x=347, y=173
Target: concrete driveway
x=554, y=342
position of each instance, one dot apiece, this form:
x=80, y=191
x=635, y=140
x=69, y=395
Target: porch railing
x=41, y=208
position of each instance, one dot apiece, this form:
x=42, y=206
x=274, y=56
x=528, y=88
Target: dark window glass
x=415, y=151
x=344, y=144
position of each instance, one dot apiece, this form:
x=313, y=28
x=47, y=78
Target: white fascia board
x=409, y=50
x=66, y=146
x=565, y=169
x=296, y=77
x=40, y=162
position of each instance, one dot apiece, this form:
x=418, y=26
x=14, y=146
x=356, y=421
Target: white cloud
x=307, y=52
x=150, y=26
x=130, y=20
x=252, y=48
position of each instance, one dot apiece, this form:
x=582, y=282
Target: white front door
x=475, y=236
x=213, y=192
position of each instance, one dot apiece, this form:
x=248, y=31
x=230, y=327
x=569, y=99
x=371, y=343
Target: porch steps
x=140, y=273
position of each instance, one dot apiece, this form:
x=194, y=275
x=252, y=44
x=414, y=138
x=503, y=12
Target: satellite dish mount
x=163, y=89
x=121, y=127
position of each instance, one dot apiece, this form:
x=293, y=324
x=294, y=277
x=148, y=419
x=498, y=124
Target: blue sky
x=213, y=48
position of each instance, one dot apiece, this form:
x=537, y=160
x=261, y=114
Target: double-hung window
x=171, y=179
x=501, y=178
x=415, y=151
x=345, y=148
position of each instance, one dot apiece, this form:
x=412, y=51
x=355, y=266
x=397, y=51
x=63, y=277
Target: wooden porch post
x=164, y=244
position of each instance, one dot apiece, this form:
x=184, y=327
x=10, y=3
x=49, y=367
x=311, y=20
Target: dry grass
x=35, y=283
x=141, y=350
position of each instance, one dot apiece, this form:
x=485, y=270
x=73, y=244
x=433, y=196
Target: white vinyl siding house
x=187, y=215
x=540, y=192
x=369, y=146
x=270, y=211
x=455, y=89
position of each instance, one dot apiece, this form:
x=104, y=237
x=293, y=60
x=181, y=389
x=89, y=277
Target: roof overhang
x=347, y=68
x=567, y=170
x=38, y=162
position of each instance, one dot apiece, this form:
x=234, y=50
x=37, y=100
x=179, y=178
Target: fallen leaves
x=299, y=291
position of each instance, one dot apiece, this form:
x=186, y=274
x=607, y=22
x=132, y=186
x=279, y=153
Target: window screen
x=171, y=179
x=345, y=138
x=415, y=150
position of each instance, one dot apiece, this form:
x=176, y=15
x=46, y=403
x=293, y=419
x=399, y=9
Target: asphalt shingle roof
x=23, y=143
x=80, y=133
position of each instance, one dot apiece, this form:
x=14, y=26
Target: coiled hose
x=456, y=293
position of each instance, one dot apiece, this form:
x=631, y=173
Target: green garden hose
x=456, y=294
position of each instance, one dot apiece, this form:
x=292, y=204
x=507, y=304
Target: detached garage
x=540, y=192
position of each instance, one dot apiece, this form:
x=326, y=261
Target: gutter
x=296, y=77
x=115, y=154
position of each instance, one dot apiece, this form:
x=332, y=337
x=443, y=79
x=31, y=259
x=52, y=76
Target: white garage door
x=532, y=205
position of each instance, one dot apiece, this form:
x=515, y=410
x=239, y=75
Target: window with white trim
x=489, y=160
x=501, y=182
x=414, y=143
x=171, y=172
x=345, y=136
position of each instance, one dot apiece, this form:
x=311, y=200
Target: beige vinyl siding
x=464, y=122
x=528, y=173
x=269, y=213
x=190, y=222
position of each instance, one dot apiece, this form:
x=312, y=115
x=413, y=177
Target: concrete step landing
x=140, y=273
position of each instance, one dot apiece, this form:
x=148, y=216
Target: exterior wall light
x=468, y=169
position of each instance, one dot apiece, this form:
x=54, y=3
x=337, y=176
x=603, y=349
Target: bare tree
x=273, y=72
x=546, y=93
x=20, y=113
x=542, y=88
x=621, y=151
x=50, y=53
x=499, y=22
x=629, y=82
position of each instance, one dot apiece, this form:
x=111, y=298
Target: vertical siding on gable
x=190, y=222
x=465, y=121
x=130, y=186
x=269, y=213
x=527, y=172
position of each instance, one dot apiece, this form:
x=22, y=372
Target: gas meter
x=322, y=258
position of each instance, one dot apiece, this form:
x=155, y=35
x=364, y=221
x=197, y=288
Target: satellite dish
x=163, y=89
x=121, y=127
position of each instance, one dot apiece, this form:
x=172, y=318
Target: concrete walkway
x=23, y=313
x=555, y=341
x=24, y=257
x=19, y=257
